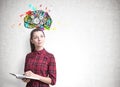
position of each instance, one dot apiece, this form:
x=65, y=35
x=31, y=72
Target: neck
x=38, y=48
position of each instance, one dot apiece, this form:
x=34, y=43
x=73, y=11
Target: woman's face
x=38, y=39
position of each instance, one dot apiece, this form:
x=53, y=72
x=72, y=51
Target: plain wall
x=85, y=41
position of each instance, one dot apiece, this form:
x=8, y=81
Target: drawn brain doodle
x=37, y=19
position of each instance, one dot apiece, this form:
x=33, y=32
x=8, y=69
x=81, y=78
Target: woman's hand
x=30, y=74
x=26, y=80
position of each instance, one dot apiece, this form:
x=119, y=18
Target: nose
x=39, y=38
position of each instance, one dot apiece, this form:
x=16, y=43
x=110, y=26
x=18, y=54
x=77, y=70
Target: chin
x=39, y=46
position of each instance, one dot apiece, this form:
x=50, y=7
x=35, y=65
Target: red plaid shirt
x=41, y=63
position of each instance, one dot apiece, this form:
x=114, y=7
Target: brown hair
x=31, y=36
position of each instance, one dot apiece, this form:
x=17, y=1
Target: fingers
x=29, y=73
x=26, y=80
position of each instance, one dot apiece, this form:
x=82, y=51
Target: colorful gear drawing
x=37, y=19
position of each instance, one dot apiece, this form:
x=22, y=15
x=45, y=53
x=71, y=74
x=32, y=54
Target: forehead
x=36, y=33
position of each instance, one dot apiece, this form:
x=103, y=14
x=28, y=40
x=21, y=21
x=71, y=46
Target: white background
x=85, y=42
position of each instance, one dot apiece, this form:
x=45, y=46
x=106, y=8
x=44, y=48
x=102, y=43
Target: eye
x=35, y=37
x=42, y=36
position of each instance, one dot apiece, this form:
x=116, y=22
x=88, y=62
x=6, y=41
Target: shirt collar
x=40, y=51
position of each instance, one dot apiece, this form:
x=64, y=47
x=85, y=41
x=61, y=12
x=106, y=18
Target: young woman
x=39, y=63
